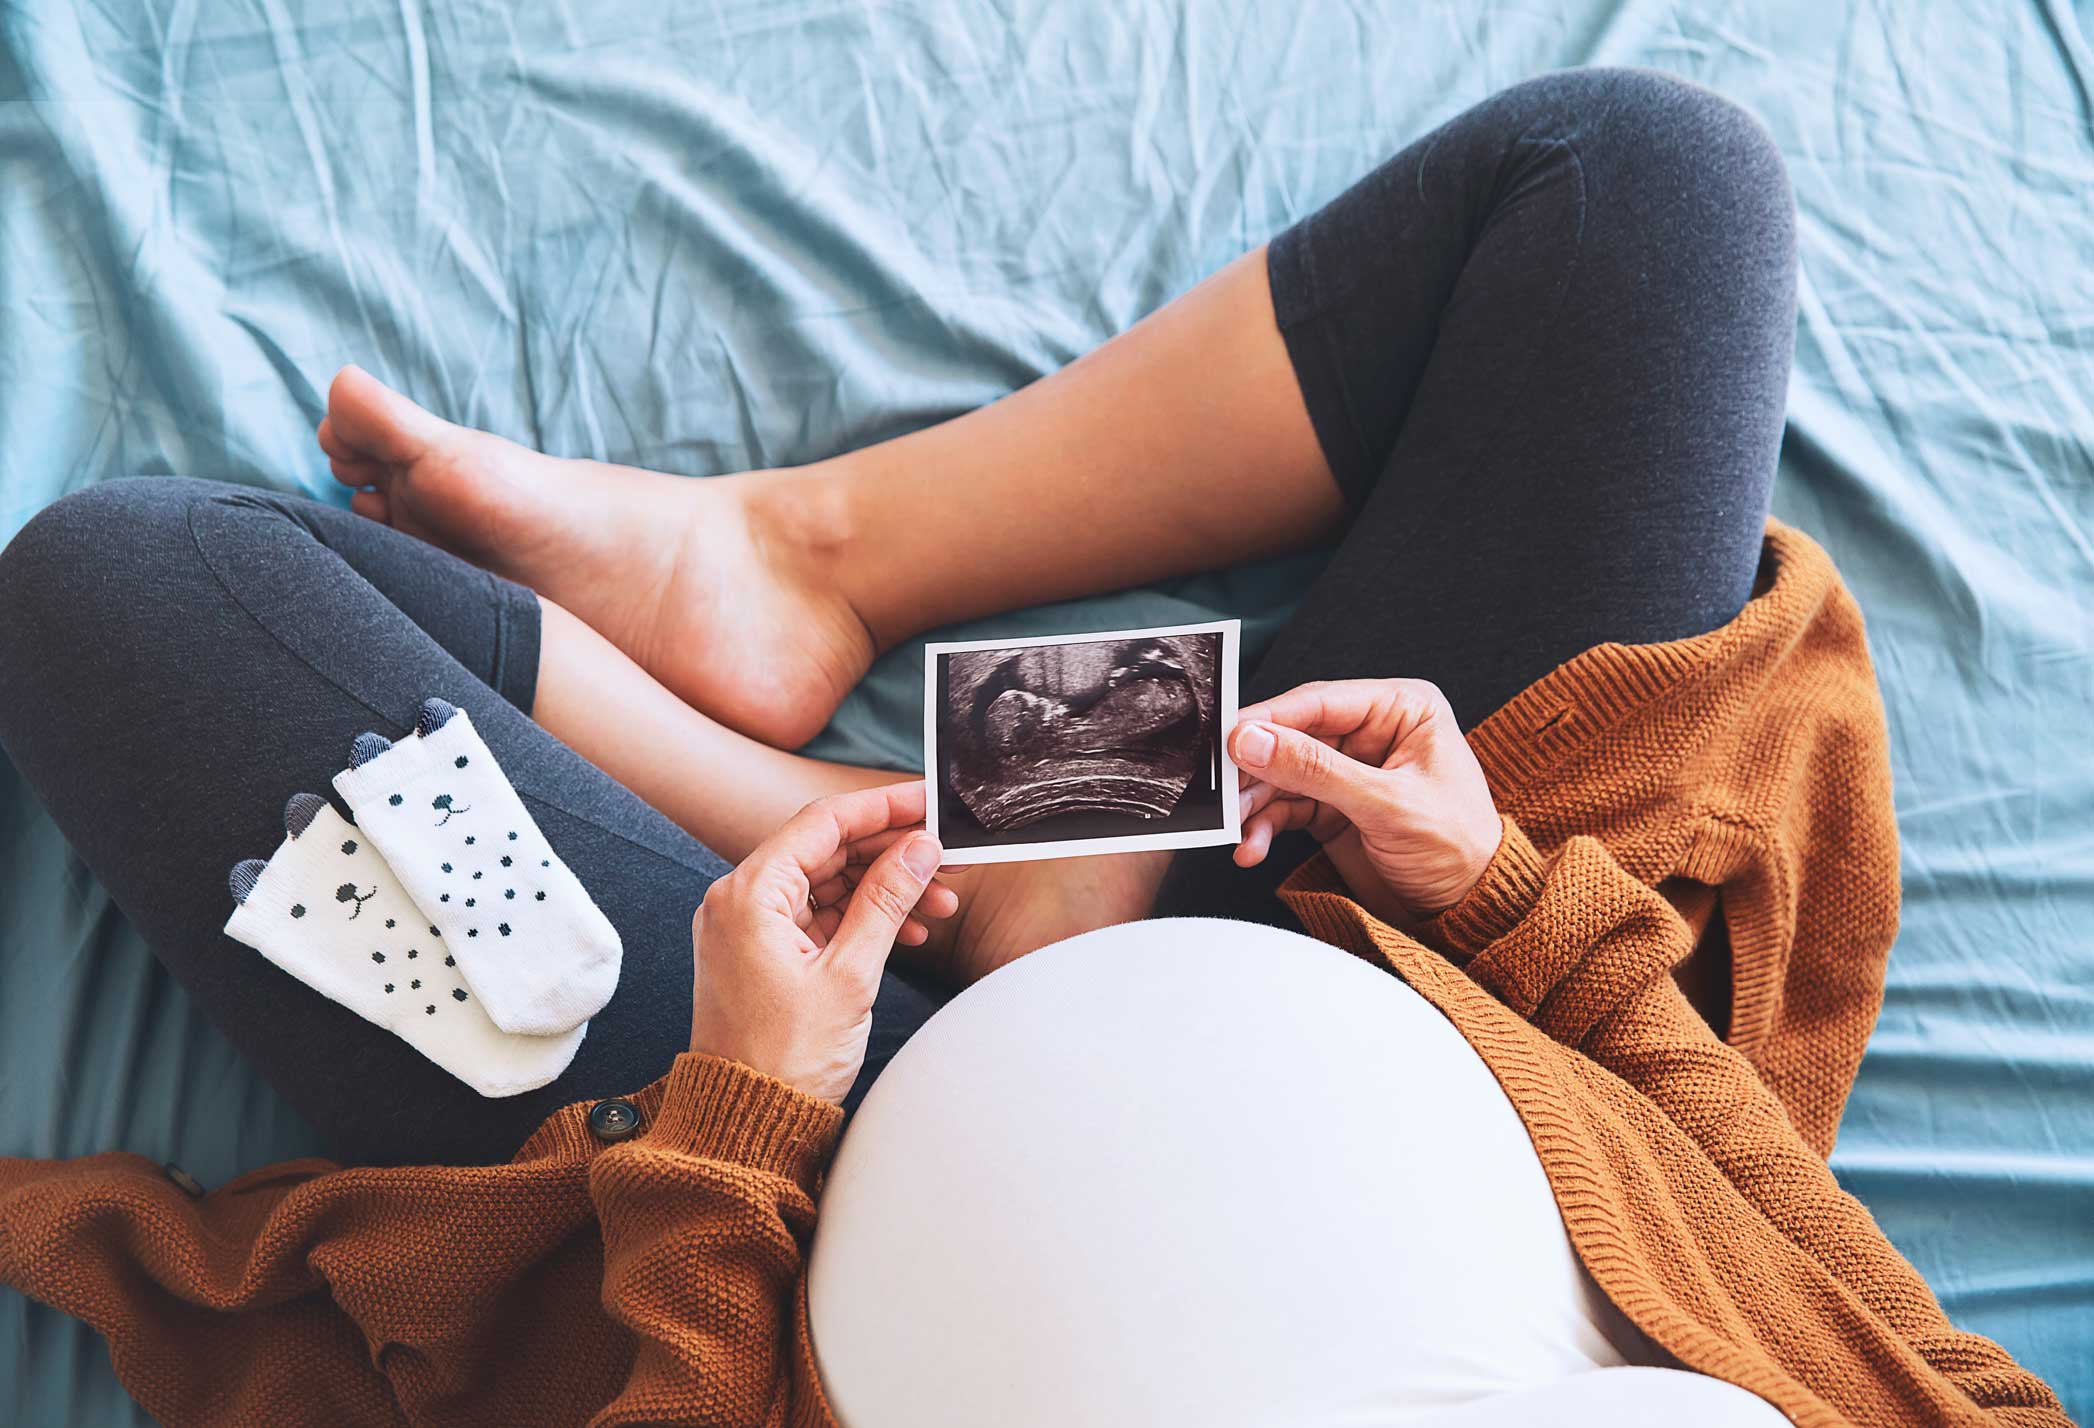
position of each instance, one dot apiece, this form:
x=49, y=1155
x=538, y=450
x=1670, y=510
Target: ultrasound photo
x=1095, y=743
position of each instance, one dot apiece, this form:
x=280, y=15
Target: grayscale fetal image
x=1040, y=743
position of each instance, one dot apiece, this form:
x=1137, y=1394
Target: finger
x=914, y=931
x=1281, y=816
x=836, y=896
x=938, y=900
x=1252, y=849
x=883, y=901
x=862, y=851
x=1256, y=794
x=1364, y=718
x=853, y=869
x=861, y=854
x=836, y=865
x=1296, y=763
x=826, y=921
x=850, y=861
x=814, y=835
x=1324, y=706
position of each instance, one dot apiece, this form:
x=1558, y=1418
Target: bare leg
x=725, y=789
x=1182, y=444
x=731, y=792
x=760, y=599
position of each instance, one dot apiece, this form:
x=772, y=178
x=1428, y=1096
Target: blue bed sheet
x=740, y=233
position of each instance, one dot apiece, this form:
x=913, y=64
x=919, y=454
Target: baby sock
x=535, y=950
x=327, y=910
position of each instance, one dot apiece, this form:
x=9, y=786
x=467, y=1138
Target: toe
x=372, y=505
x=371, y=422
x=349, y=466
x=351, y=471
x=332, y=444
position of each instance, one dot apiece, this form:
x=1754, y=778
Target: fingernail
x=922, y=855
x=1254, y=745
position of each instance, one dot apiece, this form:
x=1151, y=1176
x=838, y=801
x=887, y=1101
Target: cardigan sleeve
x=706, y=1219
x=1584, y=950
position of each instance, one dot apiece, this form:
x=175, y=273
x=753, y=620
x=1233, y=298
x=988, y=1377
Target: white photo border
x=1231, y=831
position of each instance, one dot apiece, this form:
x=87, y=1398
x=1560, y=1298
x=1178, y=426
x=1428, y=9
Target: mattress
x=738, y=233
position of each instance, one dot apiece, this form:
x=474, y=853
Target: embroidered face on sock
x=471, y=852
x=391, y=969
x=534, y=948
x=347, y=893
x=357, y=872
x=324, y=854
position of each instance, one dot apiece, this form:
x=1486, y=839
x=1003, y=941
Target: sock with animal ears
x=537, y=952
x=328, y=910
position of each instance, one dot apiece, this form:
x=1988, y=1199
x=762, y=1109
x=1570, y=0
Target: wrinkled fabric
x=736, y=233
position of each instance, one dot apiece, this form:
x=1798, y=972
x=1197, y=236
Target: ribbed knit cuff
x=1510, y=886
x=1319, y=899
x=722, y=1110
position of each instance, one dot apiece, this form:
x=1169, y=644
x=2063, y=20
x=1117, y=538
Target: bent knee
x=98, y=543
x=77, y=528
x=1675, y=129
x=1652, y=140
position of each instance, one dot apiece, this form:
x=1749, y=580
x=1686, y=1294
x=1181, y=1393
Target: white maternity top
x=1209, y=1173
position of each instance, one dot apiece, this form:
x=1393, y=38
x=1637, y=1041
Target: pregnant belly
x=1190, y=1172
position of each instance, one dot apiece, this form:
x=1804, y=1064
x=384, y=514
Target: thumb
x=884, y=896
x=1294, y=763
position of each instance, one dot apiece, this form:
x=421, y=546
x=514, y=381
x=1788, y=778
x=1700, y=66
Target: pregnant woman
x=1529, y=377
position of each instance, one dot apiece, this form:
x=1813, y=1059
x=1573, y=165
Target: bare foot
x=718, y=588
x=1010, y=909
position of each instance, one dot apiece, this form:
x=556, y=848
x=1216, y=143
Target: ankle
x=812, y=520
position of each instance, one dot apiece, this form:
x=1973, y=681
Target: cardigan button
x=613, y=1121
x=188, y=1183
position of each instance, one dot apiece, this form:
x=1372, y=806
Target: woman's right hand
x=1378, y=771
x=789, y=947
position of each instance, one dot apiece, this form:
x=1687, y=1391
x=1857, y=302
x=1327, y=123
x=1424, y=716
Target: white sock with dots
x=329, y=911
x=540, y=956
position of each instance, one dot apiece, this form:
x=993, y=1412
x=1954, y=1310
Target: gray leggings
x=1545, y=349
x=181, y=656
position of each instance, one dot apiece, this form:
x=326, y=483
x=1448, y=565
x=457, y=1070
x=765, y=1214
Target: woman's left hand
x=1378, y=771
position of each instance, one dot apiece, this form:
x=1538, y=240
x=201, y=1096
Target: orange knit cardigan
x=1645, y=791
